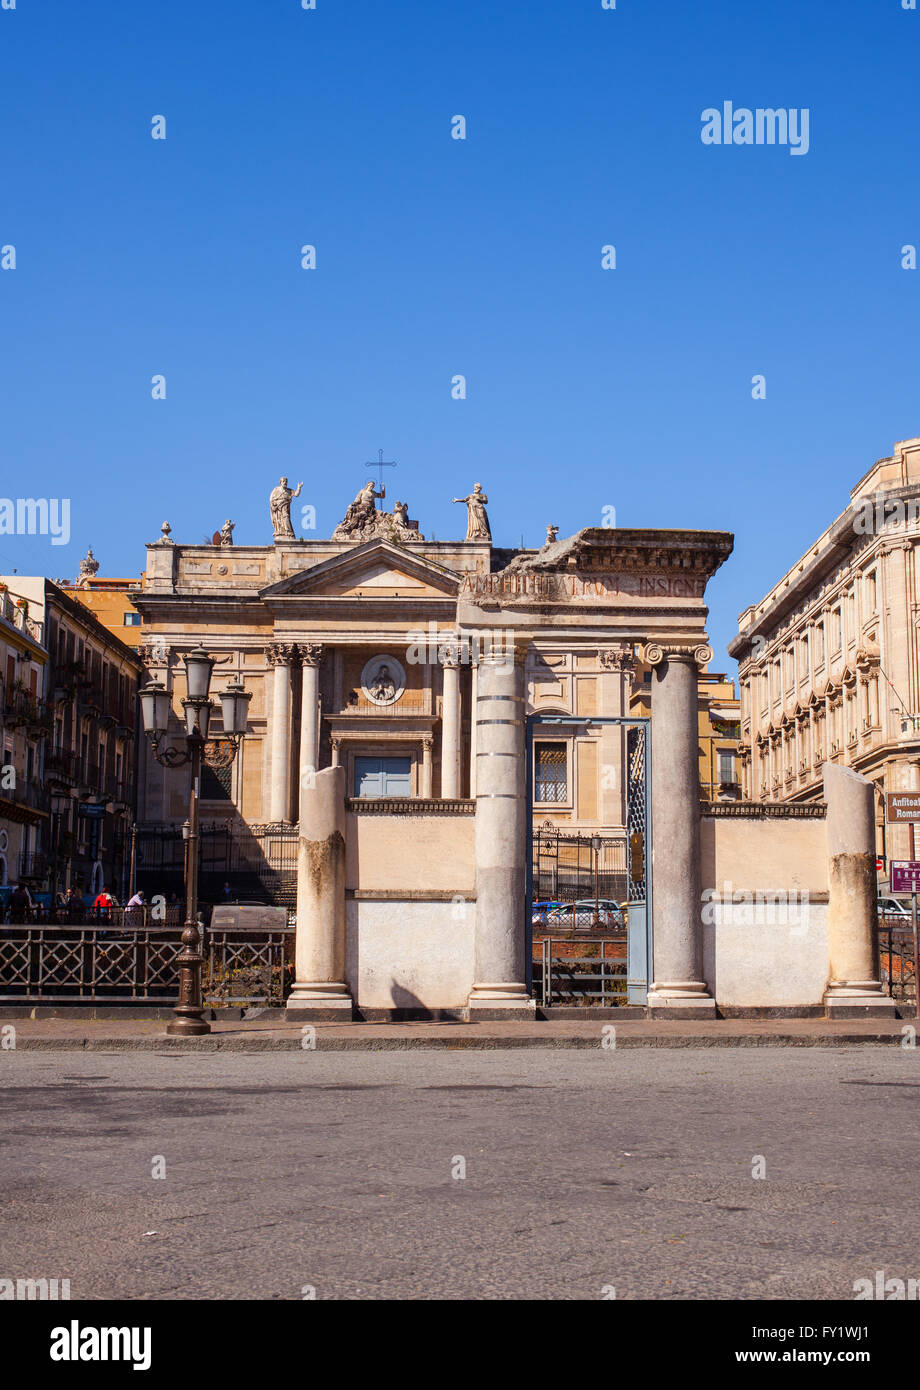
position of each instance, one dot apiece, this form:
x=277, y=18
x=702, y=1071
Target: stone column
x=474, y=694
x=854, y=989
x=426, y=767
x=311, y=654
x=450, y=728
x=678, y=989
x=320, y=991
x=336, y=752
x=499, y=988
x=280, y=655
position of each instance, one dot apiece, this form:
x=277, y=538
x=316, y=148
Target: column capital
x=280, y=653
x=311, y=653
x=654, y=653
x=619, y=658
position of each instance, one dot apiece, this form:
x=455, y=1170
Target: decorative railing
x=410, y=806
x=91, y=964
x=758, y=810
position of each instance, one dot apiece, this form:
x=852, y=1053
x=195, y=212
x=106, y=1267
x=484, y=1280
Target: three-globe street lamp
x=156, y=703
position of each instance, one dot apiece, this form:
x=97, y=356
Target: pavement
x=762, y=1173
x=268, y=1034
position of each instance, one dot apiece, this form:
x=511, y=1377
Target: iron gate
x=579, y=870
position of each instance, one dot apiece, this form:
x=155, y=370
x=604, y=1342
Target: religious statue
x=551, y=534
x=361, y=510
x=382, y=687
x=226, y=532
x=280, y=506
x=477, y=523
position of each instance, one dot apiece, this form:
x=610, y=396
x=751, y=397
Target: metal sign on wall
x=903, y=807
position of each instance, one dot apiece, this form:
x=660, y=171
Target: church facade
x=454, y=686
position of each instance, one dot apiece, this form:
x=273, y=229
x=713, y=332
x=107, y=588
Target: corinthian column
x=311, y=654
x=678, y=989
x=499, y=988
x=280, y=655
x=450, y=728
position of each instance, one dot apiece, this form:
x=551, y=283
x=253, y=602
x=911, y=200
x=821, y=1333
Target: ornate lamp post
x=156, y=703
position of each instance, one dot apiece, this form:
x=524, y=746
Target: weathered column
x=499, y=988
x=311, y=654
x=450, y=728
x=854, y=988
x=280, y=655
x=426, y=768
x=678, y=989
x=320, y=991
x=474, y=692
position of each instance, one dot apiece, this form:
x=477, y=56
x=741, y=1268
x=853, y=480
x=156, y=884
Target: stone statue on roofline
x=363, y=522
x=279, y=503
x=477, y=522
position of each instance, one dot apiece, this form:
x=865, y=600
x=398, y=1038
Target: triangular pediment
x=376, y=569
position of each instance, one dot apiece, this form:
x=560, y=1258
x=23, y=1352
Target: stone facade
x=23, y=728
x=411, y=667
x=829, y=662
x=84, y=778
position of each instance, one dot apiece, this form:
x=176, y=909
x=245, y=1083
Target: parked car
x=585, y=913
x=890, y=907
x=540, y=909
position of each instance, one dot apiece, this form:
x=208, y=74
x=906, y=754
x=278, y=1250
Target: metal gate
x=575, y=868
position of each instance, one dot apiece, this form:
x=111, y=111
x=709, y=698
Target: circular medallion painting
x=383, y=680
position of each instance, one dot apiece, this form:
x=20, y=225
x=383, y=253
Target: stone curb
x=251, y=1044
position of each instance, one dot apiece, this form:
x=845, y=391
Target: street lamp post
x=156, y=703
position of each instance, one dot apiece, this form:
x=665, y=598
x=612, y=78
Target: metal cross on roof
x=381, y=463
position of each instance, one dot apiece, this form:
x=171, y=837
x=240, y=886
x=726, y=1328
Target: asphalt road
x=584, y=1171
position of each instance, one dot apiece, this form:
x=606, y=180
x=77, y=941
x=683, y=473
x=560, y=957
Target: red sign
x=879, y=866
x=905, y=876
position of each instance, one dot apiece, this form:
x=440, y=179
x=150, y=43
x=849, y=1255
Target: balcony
x=22, y=709
x=63, y=765
x=15, y=611
x=33, y=865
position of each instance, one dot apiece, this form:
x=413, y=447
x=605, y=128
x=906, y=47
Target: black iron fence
x=591, y=970
x=117, y=961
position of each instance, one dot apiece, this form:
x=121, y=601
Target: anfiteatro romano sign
x=902, y=806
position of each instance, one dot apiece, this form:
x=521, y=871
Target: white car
x=890, y=907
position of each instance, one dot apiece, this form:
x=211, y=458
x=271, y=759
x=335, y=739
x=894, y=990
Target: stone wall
x=765, y=909
x=410, y=912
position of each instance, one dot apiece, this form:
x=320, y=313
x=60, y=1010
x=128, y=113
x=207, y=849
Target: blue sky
x=586, y=388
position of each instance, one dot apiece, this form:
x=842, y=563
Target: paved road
x=583, y=1170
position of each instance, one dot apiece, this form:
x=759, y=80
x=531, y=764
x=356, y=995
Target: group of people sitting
x=74, y=906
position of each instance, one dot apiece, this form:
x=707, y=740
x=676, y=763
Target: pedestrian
x=103, y=904
x=75, y=904
x=136, y=909
x=20, y=904
x=227, y=893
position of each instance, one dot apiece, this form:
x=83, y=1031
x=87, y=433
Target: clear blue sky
x=628, y=388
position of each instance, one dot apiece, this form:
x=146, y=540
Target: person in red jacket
x=103, y=904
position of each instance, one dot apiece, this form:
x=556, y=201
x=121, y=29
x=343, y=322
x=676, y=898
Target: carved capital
x=617, y=659
x=280, y=653
x=311, y=653
x=655, y=653
x=154, y=653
